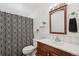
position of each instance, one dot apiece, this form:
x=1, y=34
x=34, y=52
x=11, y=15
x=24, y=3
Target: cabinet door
x=57, y=52
x=45, y=50
x=42, y=49
x=42, y=52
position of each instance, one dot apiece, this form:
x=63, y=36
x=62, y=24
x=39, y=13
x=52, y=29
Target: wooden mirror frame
x=64, y=8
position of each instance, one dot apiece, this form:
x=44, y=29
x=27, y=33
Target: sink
x=56, y=41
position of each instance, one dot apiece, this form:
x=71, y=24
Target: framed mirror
x=58, y=20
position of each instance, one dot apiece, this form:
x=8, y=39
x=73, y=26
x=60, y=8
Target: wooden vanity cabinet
x=45, y=50
x=42, y=49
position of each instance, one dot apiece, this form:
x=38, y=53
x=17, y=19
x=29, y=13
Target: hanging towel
x=72, y=25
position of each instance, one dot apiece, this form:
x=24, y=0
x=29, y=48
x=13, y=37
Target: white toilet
x=30, y=50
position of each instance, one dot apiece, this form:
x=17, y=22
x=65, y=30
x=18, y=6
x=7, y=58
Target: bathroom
x=27, y=29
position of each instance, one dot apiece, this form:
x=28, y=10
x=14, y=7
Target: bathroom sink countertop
x=68, y=47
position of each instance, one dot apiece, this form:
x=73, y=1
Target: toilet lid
x=28, y=47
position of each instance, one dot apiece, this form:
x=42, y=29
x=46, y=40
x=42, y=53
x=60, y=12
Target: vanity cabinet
x=45, y=50
x=42, y=49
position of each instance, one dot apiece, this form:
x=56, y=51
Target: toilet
x=30, y=50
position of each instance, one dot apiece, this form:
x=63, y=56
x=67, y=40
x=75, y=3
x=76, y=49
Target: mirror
x=58, y=20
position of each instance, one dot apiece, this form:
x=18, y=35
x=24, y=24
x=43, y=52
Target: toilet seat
x=28, y=49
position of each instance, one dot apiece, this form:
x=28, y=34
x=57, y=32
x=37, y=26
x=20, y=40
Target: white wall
x=70, y=37
x=73, y=37
x=40, y=13
x=14, y=8
x=33, y=10
x=37, y=11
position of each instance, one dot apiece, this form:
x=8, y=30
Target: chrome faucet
x=57, y=39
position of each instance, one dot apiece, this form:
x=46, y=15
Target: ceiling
x=26, y=9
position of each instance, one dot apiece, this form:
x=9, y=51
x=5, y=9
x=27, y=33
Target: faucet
x=57, y=39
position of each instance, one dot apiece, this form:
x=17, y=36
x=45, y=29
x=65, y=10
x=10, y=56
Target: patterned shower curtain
x=16, y=32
